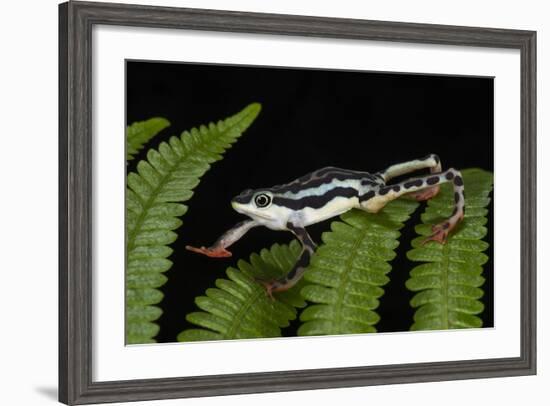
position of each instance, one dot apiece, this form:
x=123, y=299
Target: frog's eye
x=262, y=200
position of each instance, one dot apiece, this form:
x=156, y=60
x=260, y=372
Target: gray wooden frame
x=76, y=20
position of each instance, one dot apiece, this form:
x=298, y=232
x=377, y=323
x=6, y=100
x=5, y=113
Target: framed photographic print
x=256, y=202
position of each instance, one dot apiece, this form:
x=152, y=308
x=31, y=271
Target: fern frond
x=449, y=282
x=239, y=308
x=141, y=132
x=348, y=271
x=153, y=205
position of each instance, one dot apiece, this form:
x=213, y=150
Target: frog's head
x=258, y=204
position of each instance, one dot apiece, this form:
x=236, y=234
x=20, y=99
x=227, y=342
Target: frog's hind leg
x=297, y=271
x=431, y=161
x=385, y=194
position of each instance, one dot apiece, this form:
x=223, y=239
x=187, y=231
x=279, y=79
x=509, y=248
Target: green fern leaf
x=450, y=279
x=239, y=308
x=141, y=132
x=348, y=271
x=153, y=205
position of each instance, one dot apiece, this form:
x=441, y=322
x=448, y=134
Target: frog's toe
x=439, y=233
x=440, y=236
x=218, y=252
x=269, y=285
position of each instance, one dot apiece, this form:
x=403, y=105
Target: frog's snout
x=236, y=206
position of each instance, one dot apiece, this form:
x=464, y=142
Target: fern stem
x=153, y=207
x=448, y=282
x=242, y=312
x=445, y=288
x=348, y=271
x=344, y=281
x=147, y=205
x=239, y=308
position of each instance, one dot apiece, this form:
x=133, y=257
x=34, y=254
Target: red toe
x=268, y=285
x=439, y=235
x=209, y=252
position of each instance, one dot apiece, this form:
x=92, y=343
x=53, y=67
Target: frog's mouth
x=264, y=216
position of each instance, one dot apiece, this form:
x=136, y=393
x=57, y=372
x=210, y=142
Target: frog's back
x=325, y=191
x=325, y=176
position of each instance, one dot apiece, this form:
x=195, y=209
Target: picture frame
x=76, y=256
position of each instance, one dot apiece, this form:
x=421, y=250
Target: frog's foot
x=271, y=286
x=425, y=194
x=441, y=231
x=213, y=252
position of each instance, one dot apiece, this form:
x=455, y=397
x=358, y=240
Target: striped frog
x=329, y=192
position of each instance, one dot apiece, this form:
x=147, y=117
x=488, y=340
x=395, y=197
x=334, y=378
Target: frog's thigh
x=431, y=161
x=377, y=202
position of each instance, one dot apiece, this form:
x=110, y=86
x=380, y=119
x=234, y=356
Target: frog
x=329, y=192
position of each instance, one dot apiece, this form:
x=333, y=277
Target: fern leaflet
x=141, y=132
x=239, y=308
x=348, y=270
x=448, y=283
x=153, y=206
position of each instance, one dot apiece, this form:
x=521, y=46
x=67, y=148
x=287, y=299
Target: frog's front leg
x=218, y=249
x=288, y=281
x=374, y=201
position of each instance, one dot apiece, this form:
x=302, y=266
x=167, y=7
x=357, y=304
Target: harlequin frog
x=329, y=192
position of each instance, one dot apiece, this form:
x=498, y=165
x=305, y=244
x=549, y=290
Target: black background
x=309, y=119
